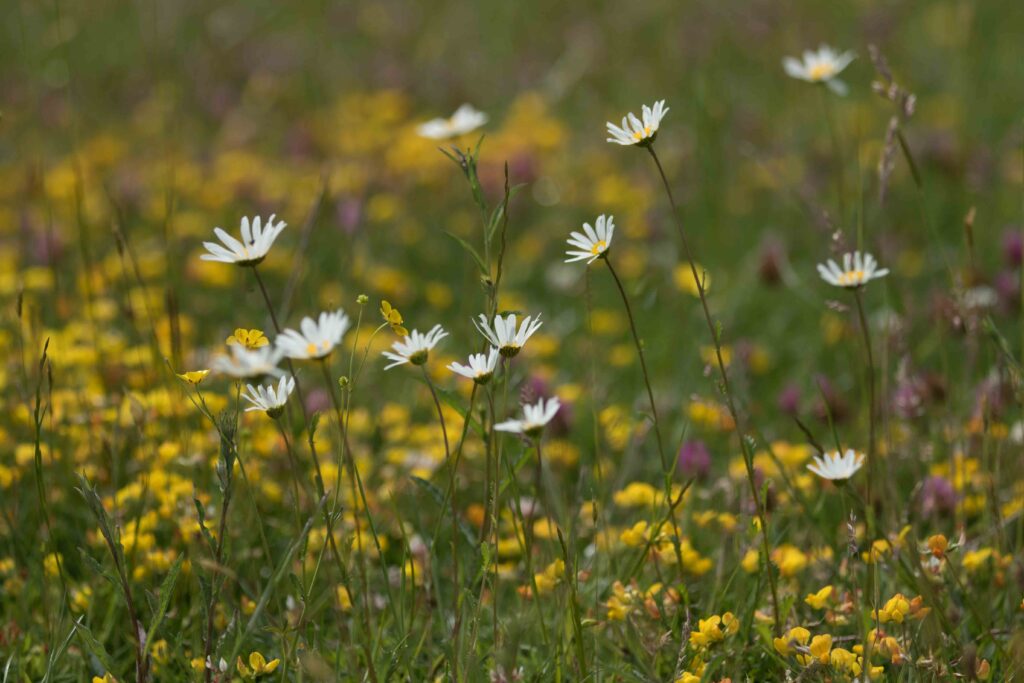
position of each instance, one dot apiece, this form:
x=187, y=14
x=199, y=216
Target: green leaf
x=484, y=270
x=95, y=565
x=92, y=644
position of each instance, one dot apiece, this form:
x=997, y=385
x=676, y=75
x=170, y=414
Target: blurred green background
x=164, y=119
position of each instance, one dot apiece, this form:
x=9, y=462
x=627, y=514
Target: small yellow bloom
x=707, y=632
x=820, y=599
x=797, y=635
x=106, y=678
x=193, y=377
x=344, y=599
x=393, y=318
x=258, y=666
x=899, y=607
x=938, y=545
x=636, y=536
x=820, y=648
x=751, y=561
x=250, y=339
x=683, y=277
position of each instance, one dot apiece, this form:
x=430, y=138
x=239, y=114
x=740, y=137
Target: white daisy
x=594, y=243
x=253, y=248
x=857, y=270
x=481, y=367
x=415, y=347
x=836, y=467
x=267, y=398
x=503, y=336
x=534, y=418
x=635, y=131
x=465, y=120
x=820, y=67
x=318, y=337
x=243, y=363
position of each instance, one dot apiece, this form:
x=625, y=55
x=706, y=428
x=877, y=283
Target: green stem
x=456, y=615
x=748, y=457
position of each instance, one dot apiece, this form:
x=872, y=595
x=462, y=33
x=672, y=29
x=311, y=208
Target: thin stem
x=350, y=465
x=871, y=400
x=643, y=363
x=748, y=458
x=455, y=519
x=291, y=365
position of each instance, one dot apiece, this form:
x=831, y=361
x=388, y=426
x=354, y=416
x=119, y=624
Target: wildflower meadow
x=400, y=341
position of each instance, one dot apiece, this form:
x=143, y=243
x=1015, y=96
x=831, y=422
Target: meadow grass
x=732, y=393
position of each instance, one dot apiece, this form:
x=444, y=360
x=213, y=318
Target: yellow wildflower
x=250, y=339
x=393, y=318
x=797, y=635
x=258, y=666
x=193, y=377
x=820, y=599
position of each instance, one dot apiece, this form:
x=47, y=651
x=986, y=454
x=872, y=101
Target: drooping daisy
x=503, y=336
x=415, y=348
x=481, y=367
x=317, y=338
x=243, y=363
x=592, y=245
x=256, y=242
x=466, y=119
x=820, y=67
x=836, y=467
x=636, y=131
x=534, y=418
x=267, y=398
x=857, y=270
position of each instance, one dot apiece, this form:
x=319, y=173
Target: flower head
x=414, y=348
x=857, y=270
x=820, y=67
x=503, y=335
x=836, y=467
x=258, y=666
x=592, y=245
x=193, y=377
x=256, y=242
x=267, y=398
x=250, y=339
x=317, y=338
x=243, y=363
x=636, y=131
x=393, y=318
x=466, y=119
x=534, y=418
x=481, y=367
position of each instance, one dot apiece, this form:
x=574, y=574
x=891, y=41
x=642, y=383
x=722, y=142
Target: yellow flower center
x=852, y=277
x=820, y=72
x=311, y=348
x=599, y=247
x=641, y=134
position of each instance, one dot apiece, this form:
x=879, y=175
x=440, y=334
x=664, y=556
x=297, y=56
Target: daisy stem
x=643, y=364
x=666, y=466
x=748, y=458
x=291, y=366
x=356, y=491
x=869, y=502
x=456, y=615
